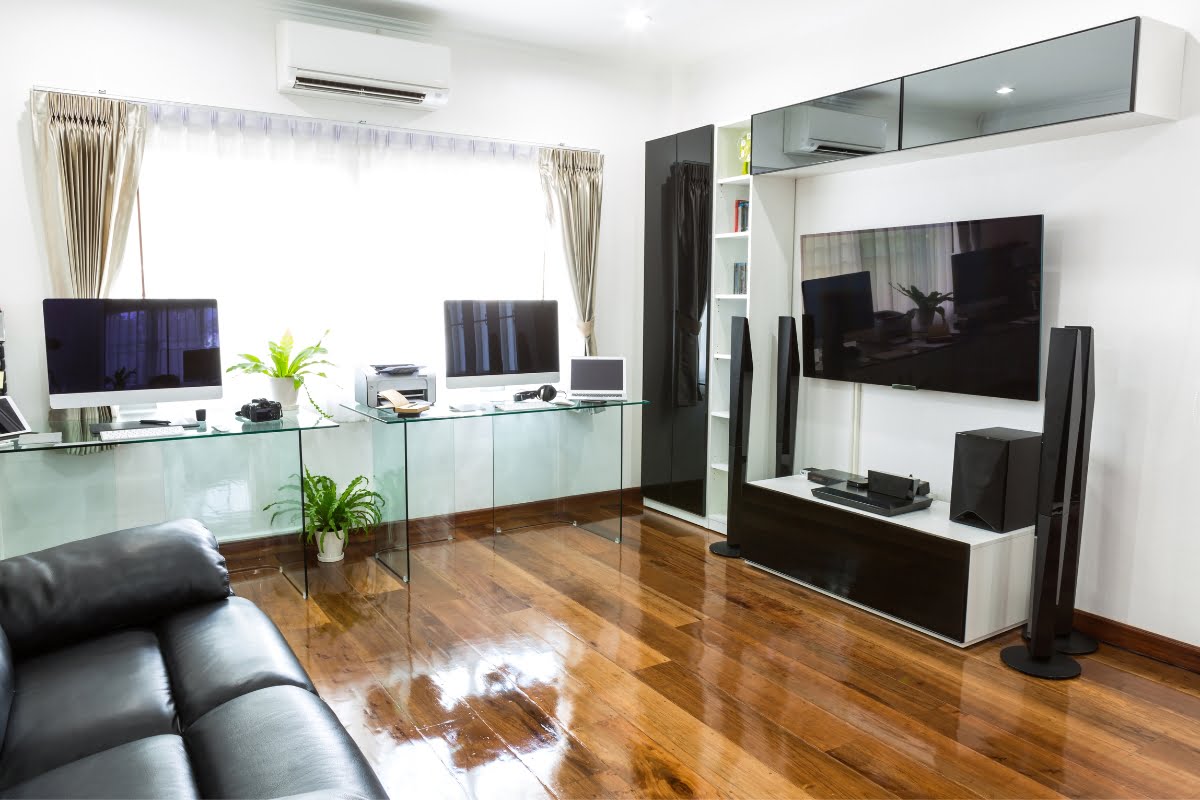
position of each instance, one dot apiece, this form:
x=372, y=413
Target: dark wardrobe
x=678, y=268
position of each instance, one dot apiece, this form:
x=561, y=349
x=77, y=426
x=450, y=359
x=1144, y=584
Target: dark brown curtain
x=691, y=189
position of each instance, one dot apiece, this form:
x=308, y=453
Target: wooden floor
x=554, y=663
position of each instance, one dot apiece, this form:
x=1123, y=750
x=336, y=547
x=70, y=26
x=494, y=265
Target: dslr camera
x=261, y=410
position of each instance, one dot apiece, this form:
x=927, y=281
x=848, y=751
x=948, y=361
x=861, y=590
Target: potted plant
x=330, y=514
x=927, y=304
x=286, y=372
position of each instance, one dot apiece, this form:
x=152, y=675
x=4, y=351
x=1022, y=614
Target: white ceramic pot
x=284, y=392
x=333, y=548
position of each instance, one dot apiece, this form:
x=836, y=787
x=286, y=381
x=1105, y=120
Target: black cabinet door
x=657, y=313
x=678, y=269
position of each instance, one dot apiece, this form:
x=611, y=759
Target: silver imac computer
x=131, y=352
x=501, y=342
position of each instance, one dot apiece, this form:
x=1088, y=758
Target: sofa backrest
x=91, y=587
x=7, y=685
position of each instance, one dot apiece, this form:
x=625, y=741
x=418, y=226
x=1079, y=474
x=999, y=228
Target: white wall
x=1120, y=255
x=222, y=53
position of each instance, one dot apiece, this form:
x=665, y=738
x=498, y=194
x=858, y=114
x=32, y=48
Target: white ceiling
x=682, y=31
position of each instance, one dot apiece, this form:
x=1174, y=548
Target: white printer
x=412, y=382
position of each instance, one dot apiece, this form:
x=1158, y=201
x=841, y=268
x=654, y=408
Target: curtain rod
x=391, y=128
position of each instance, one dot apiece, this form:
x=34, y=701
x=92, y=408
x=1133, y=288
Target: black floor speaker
x=741, y=382
x=1067, y=416
x=787, y=398
x=995, y=478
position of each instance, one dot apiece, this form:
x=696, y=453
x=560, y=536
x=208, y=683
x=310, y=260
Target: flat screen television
x=871, y=314
x=114, y=352
x=501, y=342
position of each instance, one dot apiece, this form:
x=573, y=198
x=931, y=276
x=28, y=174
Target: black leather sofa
x=128, y=669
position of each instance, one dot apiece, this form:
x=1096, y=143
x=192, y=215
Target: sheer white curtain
x=313, y=225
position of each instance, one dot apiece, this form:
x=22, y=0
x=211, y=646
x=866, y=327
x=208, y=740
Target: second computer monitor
x=501, y=342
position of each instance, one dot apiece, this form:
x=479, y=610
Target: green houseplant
x=330, y=514
x=286, y=371
x=927, y=304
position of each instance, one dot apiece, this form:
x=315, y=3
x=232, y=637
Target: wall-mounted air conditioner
x=827, y=131
x=316, y=60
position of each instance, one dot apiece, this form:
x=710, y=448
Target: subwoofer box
x=995, y=478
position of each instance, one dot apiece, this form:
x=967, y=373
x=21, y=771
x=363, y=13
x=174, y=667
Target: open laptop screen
x=597, y=375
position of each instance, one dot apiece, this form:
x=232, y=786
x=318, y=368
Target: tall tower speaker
x=741, y=380
x=1068, y=640
x=787, y=398
x=1039, y=656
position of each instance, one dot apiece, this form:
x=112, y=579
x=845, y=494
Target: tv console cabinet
x=956, y=582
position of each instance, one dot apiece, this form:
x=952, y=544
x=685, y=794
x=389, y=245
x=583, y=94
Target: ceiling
x=681, y=31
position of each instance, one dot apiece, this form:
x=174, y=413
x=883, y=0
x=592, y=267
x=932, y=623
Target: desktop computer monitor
x=501, y=342
x=123, y=352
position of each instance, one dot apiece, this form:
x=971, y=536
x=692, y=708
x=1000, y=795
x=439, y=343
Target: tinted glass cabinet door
x=678, y=269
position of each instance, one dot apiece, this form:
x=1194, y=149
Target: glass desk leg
x=390, y=477
x=287, y=553
x=561, y=467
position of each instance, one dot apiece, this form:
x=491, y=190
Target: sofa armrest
x=118, y=580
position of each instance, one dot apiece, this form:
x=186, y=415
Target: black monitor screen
x=501, y=337
x=954, y=307
x=127, y=345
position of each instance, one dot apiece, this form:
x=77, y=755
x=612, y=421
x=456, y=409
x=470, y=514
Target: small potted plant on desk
x=286, y=372
x=331, y=514
x=927, y=306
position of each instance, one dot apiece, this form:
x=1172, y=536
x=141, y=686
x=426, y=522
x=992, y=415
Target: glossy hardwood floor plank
x=549, y=662
x=819, y=774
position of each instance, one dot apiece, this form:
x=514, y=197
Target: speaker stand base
x=725, y=550
x=1056, y=668
x=1073, y=644
x=1076, y=644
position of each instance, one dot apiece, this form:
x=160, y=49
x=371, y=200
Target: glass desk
x=497, y=470
x=223, y=473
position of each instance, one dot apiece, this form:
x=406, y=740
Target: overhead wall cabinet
x=1122, y=75
x=675, y=339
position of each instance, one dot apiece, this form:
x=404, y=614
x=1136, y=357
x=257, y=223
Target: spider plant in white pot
x=286, y=372
x=330, y=514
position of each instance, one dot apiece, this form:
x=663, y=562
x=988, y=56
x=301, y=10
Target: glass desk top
x=443, y=412
x=215, y=428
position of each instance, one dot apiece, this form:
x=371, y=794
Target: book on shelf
x=741, y=216
x=739, y=277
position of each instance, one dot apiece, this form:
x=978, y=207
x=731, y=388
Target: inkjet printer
x=415, y=383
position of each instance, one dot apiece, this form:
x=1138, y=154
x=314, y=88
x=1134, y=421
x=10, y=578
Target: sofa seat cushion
x=83, y=699
x=152, y=768
x=218, y=651
x=274, y=743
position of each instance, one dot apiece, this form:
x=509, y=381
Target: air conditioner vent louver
x=360, y=67
x=374, y=92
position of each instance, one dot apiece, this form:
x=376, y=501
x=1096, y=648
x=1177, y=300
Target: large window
x=314, y=226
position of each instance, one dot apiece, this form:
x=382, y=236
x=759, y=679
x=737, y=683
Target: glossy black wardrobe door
x=691, y=193
x=678, y=268
x=657, y=321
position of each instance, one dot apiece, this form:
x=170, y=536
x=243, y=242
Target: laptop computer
x=12, y=423
x=597, y=378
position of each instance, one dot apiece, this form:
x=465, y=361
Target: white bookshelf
x=766, y=249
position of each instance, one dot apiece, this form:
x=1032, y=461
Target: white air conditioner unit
x=313, y=59
x=811, y=130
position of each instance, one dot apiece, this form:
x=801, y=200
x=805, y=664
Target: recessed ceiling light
x=1005, y=90
x=637, y=20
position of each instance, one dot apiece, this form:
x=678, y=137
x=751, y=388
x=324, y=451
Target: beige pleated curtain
x=88, y=153
x=573, y=181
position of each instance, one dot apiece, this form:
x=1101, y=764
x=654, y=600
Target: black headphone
x=545, y=393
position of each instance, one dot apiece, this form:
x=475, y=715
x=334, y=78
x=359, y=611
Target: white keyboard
x=522, y=405
x=147, y=432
